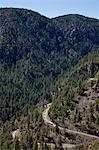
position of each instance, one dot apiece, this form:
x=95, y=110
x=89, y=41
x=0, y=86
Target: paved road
x=48, y=121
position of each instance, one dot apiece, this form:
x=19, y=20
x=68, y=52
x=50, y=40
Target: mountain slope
x=35, y=51
x=78, y=31
x=77, y=104
x=23, y=31
x=30, y=122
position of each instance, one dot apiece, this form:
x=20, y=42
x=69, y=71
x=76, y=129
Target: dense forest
x=42, y=58
x=35, y=50
x=30, y=122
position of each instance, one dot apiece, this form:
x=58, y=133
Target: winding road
x=48, y=121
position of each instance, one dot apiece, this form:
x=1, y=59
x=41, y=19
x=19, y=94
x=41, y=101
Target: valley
x=49, y=81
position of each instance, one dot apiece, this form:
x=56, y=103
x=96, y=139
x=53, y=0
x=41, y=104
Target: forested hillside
x=64, y=112
x=43, y=60
x=34, y=51
x=78, y=32
x=77, y=104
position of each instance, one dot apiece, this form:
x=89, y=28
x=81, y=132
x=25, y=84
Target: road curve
x=48, y=121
